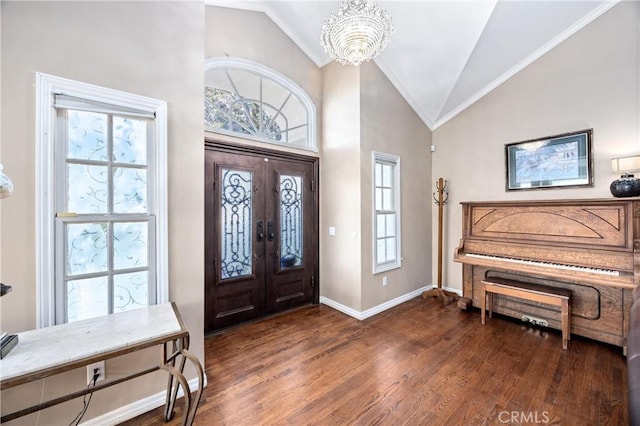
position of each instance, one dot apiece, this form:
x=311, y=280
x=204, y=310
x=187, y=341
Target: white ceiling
x=445, y=55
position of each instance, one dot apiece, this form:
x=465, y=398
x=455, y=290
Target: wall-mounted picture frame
x=558, y=161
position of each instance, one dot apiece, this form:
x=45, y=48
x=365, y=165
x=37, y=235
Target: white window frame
x=262, y=71
x=394, y=161
x=46, y=88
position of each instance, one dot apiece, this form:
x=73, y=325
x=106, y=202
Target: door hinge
x=313, y=185
x=313, y=281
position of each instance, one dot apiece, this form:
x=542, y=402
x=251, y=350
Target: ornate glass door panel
x=234, y=239
x=290, y=273
x=235, y=223
x=291, y=223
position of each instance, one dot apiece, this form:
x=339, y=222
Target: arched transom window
x=246, y=99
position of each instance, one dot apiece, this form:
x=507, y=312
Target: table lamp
x=6, y=186
x=7, y=341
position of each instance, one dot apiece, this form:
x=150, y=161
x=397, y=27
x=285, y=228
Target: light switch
x=332, y=231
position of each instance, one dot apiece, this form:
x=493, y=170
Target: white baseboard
x=376, y=309
x=452, y=290
x=139, y=407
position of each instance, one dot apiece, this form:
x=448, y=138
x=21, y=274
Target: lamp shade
x=6, y=186
x=625, y=164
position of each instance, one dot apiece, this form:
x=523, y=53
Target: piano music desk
x=534, y=292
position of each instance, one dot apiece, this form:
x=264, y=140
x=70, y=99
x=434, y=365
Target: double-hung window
x=106, y=219
x=386, y=215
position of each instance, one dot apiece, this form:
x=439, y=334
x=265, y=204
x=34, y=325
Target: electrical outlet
x=102, y=372
x=384, y=281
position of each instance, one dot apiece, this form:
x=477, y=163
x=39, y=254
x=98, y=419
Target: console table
x=53, y=350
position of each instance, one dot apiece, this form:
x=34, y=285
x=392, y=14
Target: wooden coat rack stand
x=446, y=296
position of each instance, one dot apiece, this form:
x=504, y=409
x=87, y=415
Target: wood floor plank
x=417, y=363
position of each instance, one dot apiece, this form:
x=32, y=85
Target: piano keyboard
x=547, y=264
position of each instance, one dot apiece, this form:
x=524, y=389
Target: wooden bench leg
x=483, y=307
x=491, y=305
x=569, y=304
x=566, y=330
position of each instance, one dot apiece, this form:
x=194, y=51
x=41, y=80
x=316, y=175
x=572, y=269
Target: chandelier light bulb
x=358, y=33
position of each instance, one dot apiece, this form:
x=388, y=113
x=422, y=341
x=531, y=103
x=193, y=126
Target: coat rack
x=446, y=296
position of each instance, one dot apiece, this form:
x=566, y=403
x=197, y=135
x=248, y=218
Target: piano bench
x=534, y=292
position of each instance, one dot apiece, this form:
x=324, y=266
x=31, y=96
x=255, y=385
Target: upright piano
x=591, y=247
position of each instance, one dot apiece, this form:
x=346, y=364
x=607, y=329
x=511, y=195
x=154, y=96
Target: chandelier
x=358, y=33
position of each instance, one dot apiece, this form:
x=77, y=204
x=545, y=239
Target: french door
x=261, y=243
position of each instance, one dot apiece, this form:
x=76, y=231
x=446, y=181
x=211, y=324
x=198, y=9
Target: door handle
x=260, y=232
x=270, y=233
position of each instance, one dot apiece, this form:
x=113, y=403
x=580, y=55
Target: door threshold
x=256, y=320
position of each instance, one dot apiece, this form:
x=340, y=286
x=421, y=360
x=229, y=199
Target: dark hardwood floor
x=420, y=363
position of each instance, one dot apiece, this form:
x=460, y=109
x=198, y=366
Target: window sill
x=385, y=268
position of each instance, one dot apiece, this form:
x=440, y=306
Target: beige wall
x=340, y=192
x=364, y=113
x=147, y=48
x=588, y=81
x=389, y=125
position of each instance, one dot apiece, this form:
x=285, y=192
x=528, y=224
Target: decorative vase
x=288, y=261
x=626, y=186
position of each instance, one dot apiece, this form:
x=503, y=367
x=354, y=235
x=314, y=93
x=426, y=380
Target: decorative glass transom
x=228, y=111
x=245, y=99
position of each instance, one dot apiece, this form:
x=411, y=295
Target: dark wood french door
x=261, y=233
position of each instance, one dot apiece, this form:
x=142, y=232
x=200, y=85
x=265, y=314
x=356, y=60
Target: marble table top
x=66, y=344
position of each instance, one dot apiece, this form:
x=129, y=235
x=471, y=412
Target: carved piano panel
x=591, y=225
x=591, y=247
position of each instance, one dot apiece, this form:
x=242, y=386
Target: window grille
x=386, y=214
x=246, y=99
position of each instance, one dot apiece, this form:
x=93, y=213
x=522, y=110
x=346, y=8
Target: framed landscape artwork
x=552, y=162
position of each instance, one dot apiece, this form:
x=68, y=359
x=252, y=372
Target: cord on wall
x=85, y=401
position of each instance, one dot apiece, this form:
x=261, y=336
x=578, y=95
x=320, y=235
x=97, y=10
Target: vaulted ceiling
x=445, y=55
